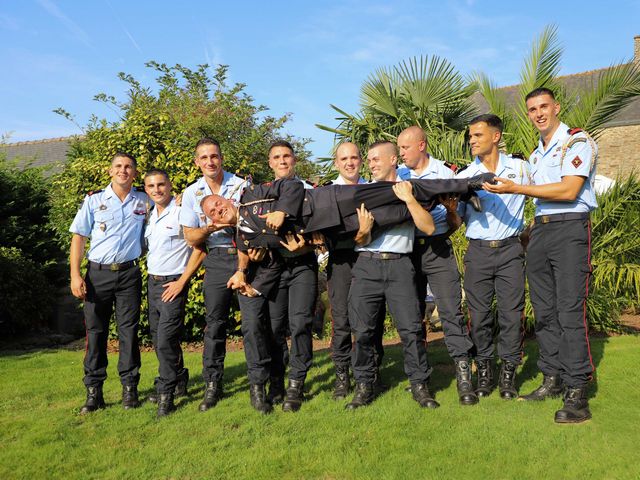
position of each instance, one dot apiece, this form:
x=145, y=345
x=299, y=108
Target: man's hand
x=214, y=227
x=504, y=185
x=365, y=224
x=237, y=281
x=256, y=254
x=449, y=201
x=78, y=287
x=274, y=219
x=171, y=290
x=248, y=291
x=292, y=243
x=404, y=191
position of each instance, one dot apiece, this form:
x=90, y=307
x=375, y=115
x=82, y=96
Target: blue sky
x=295, y=57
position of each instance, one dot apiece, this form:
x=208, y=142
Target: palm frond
x=598, y=103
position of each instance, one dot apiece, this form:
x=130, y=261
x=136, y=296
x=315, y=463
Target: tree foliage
x=160, y=127
x=29, y=257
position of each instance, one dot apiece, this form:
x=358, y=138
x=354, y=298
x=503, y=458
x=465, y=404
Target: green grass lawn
x=42, y=436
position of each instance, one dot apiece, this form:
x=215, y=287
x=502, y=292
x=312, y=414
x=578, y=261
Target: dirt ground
x=630, y=323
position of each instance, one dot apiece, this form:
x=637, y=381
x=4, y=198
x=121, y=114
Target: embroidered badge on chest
x=103, y=226
x=576, y=162
x=199, y=193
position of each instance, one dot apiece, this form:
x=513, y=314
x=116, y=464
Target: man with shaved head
x=342, y=257
x=434, y=260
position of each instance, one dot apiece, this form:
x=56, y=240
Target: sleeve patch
x=576, y=162
x=576, y=140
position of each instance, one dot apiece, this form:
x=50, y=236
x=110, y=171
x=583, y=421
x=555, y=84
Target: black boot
x=294, y=396
x=551, y=387
x=130, y=397
x=342, y=385
x=258, y=396
x=507, y=381
x=276, y=390
x=182, y=385
x=212, y=396
x=165, y=404
x=420, y=393
x=179, y=391
x=365, y=394
x=466, y=395
x=576, y=406
x=94, y=400
x=485, y=378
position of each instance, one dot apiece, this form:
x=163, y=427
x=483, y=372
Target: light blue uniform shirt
x=341, y=181
x=168, y=251
x=502, y=216
x=191, y=214
x=436, y=169
x=395, y=239
x=114, y=228
x=550, y=165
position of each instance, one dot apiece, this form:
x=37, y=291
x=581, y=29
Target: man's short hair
x=540, y=91
x=208, y=141
x=281, y=143
x=157, y=171
x=382, y=142
x=125, y=155
x=490, y=119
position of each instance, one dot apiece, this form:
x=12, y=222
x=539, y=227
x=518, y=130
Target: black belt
x=560, y=217
x=424, y=241
x=164, y=278
x=495, y=243
x=114, y=267
x=227, y=250
x=382, y=255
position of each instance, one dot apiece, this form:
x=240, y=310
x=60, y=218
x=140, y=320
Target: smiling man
x=563, y=169
x=170, y=263
x=494, y=261
x=220, y=262
x=113, y=220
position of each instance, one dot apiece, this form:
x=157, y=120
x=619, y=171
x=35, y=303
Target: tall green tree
x=160, y=126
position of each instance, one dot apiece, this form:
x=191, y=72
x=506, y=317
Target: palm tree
x=589, y=108
x=424, y=91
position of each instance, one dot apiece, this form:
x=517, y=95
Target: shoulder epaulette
x=451, y=166
x=573, y=131
x=189, y=184
x=518, y=155
x=92, y=192
x=462, y=169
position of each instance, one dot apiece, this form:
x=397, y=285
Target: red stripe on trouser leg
x=584, y=305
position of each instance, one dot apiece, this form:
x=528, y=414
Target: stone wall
x=619, y=151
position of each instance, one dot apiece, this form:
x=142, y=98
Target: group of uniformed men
x=367, y=271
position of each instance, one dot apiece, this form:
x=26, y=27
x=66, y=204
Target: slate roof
x=630, y=115
x=51, y=152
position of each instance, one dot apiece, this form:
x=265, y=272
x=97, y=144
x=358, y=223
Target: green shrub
x=26, y=296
